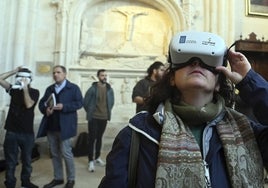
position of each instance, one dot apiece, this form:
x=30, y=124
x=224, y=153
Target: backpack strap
x=133, y=159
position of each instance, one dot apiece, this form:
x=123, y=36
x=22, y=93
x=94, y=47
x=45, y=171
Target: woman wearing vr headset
x=190, y=137
x=19, y=126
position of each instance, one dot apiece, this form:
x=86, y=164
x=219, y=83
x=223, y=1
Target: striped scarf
x=180, y=162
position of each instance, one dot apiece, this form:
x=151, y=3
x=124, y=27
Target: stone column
x=61, y=30
x=21, y=32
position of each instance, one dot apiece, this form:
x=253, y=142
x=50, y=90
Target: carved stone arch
x=168, y=7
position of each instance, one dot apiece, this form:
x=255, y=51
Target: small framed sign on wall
x=257, y=7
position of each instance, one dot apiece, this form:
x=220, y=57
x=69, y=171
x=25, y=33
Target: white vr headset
x=23, y=73
x=205, y=46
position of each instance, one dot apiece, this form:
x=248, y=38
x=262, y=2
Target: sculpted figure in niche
x=131, y=15
x=125, y=31
x=84, y=36
x=125, y=91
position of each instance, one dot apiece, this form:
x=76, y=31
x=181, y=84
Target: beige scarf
x=180, y=162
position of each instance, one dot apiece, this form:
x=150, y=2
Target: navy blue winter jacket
x=117, y=160
x=254, y=91
x=71, y=98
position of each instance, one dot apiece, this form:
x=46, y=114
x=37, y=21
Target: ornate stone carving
x=252, y=44
x=129, y=32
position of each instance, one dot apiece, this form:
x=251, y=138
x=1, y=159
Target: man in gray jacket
x=98, y=104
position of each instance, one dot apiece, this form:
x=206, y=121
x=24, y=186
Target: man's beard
x=104, y=81
x=158, y=77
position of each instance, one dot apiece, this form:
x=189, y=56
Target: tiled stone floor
x=42, y=173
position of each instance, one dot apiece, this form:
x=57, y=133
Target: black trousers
x=96, y=128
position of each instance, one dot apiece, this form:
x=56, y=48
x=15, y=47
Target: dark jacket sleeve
x=42, y=107
x=261, y=134
x=71, y=99
x=253, y=89
x=116, y=173
x=89, y=96
x=140, y=89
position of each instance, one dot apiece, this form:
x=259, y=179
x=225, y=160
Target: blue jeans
x=13, y=142
x=61, y=148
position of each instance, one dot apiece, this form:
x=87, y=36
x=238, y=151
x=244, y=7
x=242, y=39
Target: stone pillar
x=30, y=53
x=21, y=32
x=3, y=6
x=61, y=30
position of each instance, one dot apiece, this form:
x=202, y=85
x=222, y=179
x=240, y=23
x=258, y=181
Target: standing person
x=190, y=137
x=142, y=89
x=98, y=104
x=19, y=126
x=61, y=124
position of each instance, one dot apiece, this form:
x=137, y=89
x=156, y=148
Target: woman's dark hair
x=162, y=90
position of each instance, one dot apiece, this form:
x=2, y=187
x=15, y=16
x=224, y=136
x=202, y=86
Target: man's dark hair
x=62, y=68
x=155, y=65
x=99, y=71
